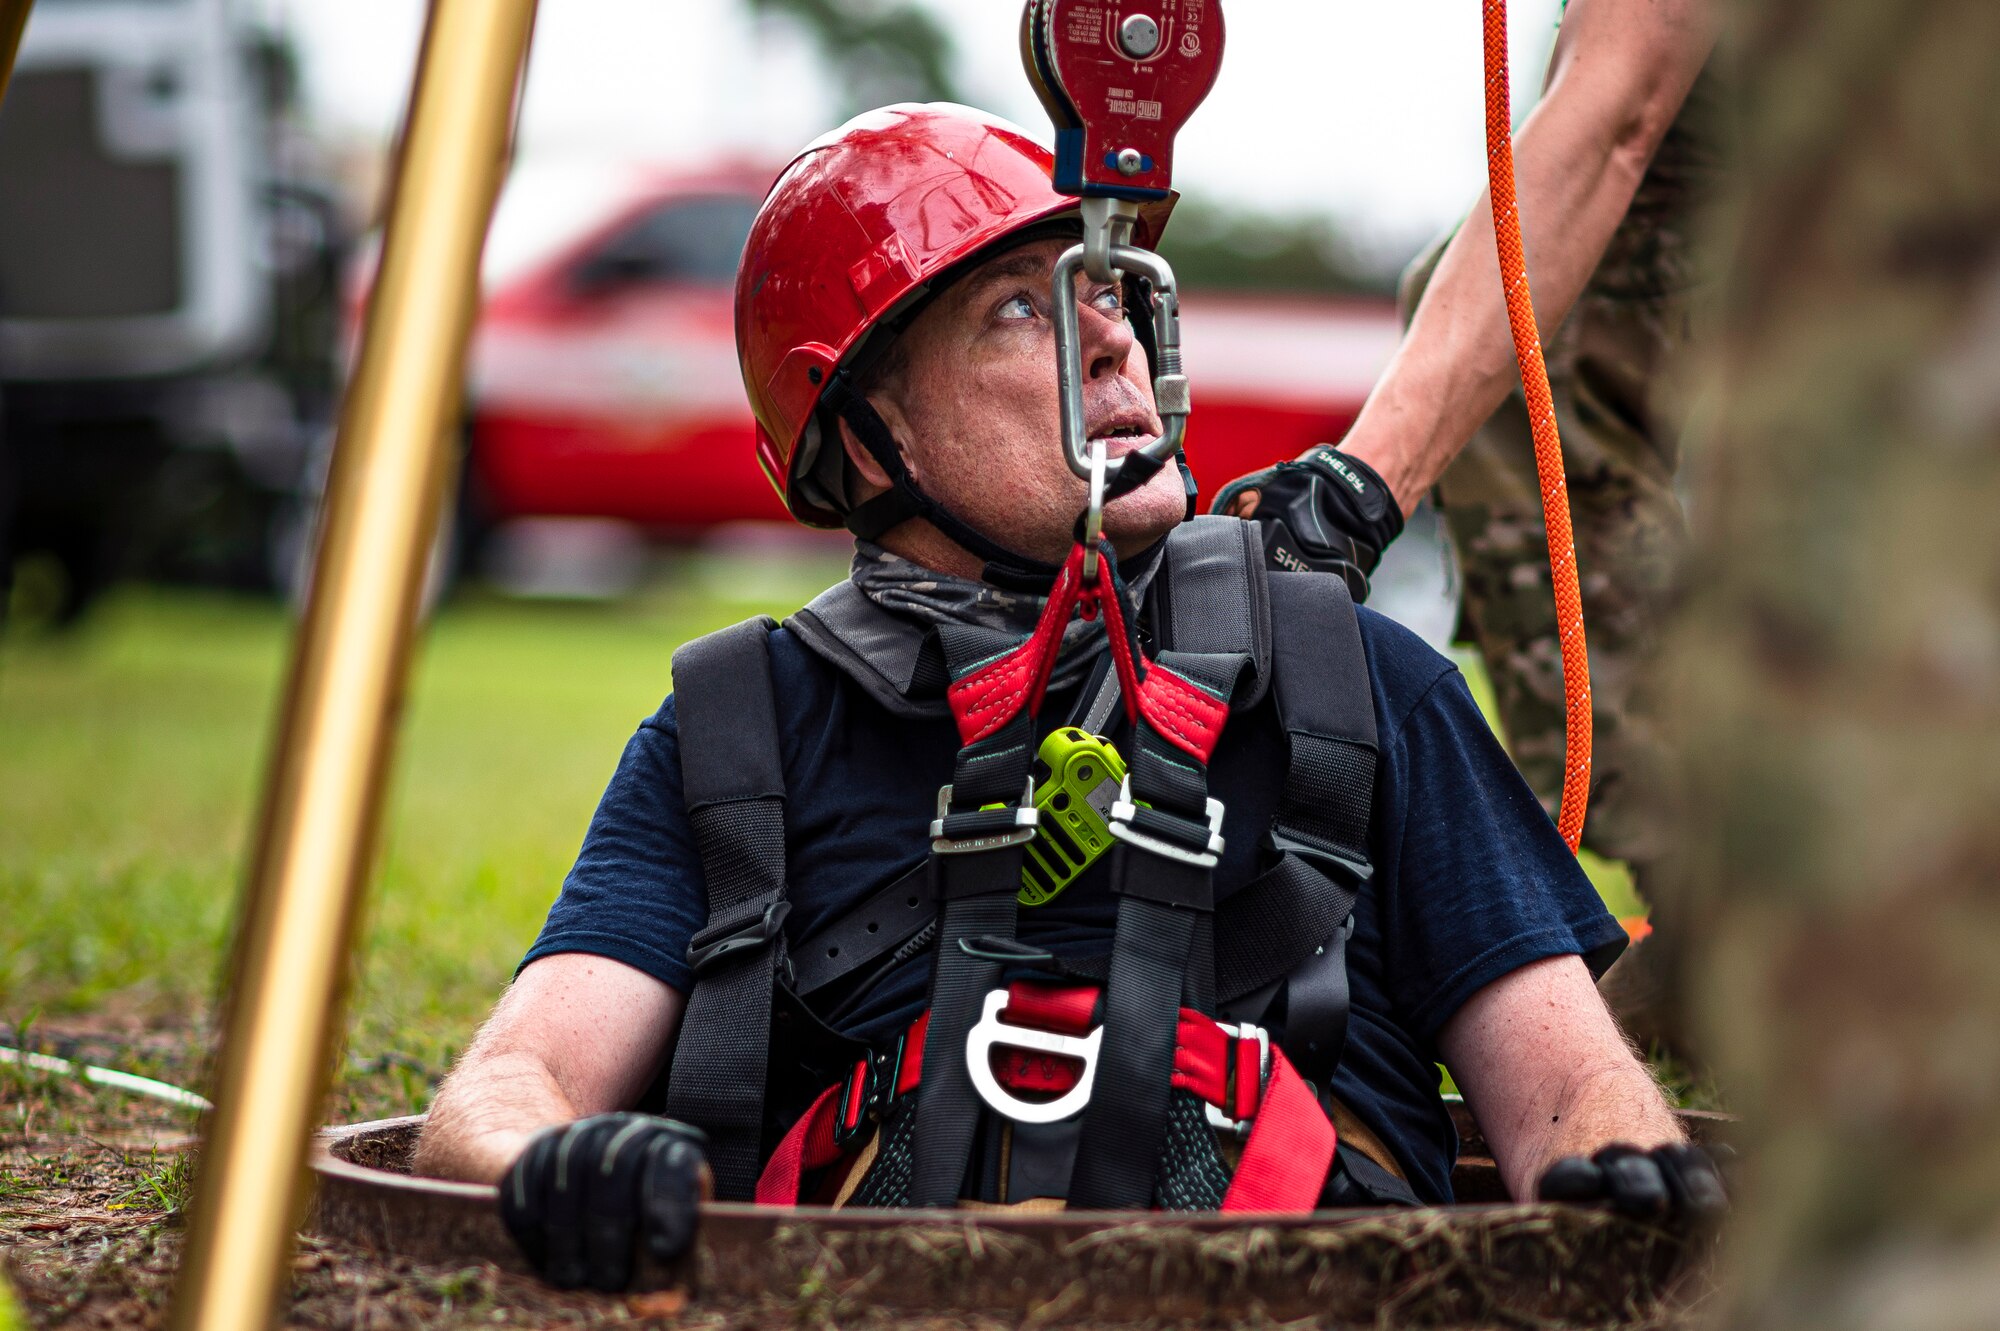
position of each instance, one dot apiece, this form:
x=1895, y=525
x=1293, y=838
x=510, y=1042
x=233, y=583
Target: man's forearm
x=1617, y=1101
x=484, y=1114
x=1578, y=161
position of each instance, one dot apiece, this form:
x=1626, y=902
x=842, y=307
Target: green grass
x=131, y=752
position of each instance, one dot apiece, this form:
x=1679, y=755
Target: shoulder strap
x=733, y=779
x=1320, y=829
x=1328, y=711
x=1212, y=595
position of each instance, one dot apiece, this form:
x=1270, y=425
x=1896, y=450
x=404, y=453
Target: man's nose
x=1106, y=340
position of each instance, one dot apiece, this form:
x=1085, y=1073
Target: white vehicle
x=159, y=372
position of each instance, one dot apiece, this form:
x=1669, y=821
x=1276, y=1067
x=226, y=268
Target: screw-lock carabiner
x=1105, y=259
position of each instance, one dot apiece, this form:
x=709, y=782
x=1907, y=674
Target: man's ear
x=869, y=474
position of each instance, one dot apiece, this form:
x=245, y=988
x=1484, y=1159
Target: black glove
x=1327, y=512
x=583, y=1196
x=1667, y=1182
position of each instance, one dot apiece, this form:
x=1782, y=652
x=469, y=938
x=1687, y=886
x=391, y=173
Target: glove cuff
x=1360, y=492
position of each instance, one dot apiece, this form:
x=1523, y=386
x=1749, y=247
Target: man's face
x=972, y=399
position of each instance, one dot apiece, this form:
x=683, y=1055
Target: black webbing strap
x=733, y=779
x=1321, y=823
x=1212, y=595
x=976, y=893
x=1161, y=956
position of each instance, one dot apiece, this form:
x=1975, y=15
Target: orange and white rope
x=1542, y=418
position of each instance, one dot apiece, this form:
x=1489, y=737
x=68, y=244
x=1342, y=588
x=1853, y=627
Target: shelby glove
x=585, y=1198
x=1666, y=1183
x=1326, y=512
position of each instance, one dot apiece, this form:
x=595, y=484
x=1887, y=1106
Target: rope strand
x=1542, y=418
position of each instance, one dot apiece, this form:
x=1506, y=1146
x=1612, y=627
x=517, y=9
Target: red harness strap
x=984, y=701
x=1284, y=1162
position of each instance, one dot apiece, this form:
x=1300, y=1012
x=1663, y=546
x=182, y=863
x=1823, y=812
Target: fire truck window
x=692, y=240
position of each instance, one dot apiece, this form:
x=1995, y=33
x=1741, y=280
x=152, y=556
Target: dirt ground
x=93, y=1182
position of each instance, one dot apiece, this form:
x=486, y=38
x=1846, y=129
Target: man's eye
x=1016, y=307
x=1108, y=300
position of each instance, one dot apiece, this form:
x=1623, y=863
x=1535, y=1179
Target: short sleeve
x=635, y=893
x=1483, y=884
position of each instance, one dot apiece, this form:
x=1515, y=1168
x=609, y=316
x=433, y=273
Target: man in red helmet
x=807, y=921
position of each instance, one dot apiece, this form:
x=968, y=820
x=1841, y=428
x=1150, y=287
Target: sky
x=1369, y=113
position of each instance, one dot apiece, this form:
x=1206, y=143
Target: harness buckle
x=1327, y=860
x=991, y=1031
x=717, y=943
x=1124, y=812
x=1023, y=819
x=1217, y=1119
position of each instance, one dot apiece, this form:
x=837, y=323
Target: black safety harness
x=1225, y=633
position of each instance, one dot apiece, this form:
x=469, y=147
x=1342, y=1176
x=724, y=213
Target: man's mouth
x=1123, y=438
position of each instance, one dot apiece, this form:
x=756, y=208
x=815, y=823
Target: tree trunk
x=1839, y=669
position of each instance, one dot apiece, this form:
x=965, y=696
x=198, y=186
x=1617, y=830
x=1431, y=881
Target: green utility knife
x=1077, y=775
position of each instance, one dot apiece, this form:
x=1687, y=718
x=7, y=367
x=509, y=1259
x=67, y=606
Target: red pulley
x=1119, y=78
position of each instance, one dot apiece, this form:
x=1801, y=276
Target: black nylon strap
x=890, y=917
x=1321, y=823
x=1161, y=955
x=976, y=896
x=1212, y=589
x=1316, y=1005
x=1273, y=925
x=732, y=773
x=1328, y=712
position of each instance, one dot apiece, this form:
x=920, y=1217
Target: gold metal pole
x=317, y=833
x=13, y=21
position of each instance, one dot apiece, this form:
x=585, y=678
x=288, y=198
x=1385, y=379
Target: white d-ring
x=991, y=1031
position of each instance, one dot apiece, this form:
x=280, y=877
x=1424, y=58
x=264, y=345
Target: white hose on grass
x=123, y=1081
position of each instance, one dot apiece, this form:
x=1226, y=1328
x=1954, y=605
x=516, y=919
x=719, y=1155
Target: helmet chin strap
x=904, y=499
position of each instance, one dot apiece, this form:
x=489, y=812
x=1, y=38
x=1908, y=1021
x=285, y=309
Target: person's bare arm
x=575, y=1035
x=1546, y=1071
x=1620, y=71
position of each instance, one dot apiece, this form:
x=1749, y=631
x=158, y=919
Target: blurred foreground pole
x=323, y=797
x=13, y=20
x=1839, y=675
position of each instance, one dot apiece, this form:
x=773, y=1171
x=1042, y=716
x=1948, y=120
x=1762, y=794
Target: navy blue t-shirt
x=1471, y=879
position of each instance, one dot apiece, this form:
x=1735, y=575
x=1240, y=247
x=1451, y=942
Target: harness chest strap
x=1284, y=1161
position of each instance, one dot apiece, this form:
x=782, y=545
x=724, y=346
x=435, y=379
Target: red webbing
x=1542, y=419
x=1284, y=1162
x=1291, y=1147
x=987, y=699
x=807, y=1146
x=1066, y=1009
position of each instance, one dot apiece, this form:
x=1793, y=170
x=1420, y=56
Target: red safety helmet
x=854, y=231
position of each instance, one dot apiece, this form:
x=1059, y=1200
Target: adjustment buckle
x=1329, y=862
x=1025, y=821
x=1124, y=811
x=991, y=1031
x=1217, y=1119
x=859, y=1091
x=717, y=943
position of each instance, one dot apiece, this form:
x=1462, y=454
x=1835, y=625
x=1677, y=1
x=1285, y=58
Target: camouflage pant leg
x=1608, y=367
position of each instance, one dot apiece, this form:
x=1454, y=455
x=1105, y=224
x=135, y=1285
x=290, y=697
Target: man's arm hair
x=1546, y=1071
x=574, y=1035
x=1620, y=72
